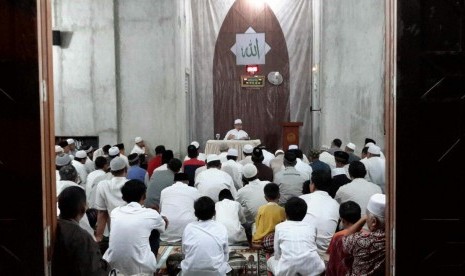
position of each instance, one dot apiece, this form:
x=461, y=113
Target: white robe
x=238, y=134
x=230, y=214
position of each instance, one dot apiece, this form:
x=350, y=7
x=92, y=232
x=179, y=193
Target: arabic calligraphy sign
x=250, y=48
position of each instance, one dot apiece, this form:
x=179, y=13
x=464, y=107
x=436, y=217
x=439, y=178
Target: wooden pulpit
x=290, y=133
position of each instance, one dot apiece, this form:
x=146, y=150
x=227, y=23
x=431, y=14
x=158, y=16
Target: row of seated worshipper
x=107, y=195
x=205, y=241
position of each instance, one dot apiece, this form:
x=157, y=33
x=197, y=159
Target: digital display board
x=252, y=81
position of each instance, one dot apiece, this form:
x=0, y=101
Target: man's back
x=246, y=160
x=108, y=195
x=136, y=172
x=368, y=251
x=323, y=212
x=234, y=170
x=290, y=182
x=376, y=170
x=251, y=197
x=264, y=172
x=129, y=249
x=76, y=252
x=359, y=190
x=353, y=157
x=211, y=181
x=317, y=165
x=296, y=249
x=159, y=181
x=268, y=216
x=153, y=164
x=205, y=246
x=339, y=179
x=177, y=204
x=276, y=164
x=304, y=168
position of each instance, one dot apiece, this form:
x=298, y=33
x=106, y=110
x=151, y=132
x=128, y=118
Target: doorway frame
x=390, y=39
x=47, y=121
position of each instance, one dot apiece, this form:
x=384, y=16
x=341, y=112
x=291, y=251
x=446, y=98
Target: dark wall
x=430, y=138
x=21, y=240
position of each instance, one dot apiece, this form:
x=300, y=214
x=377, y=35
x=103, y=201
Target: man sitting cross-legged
x=205, y=243
x=269, y=215
x=75, y=251
x=129, y=250
x=295, y=251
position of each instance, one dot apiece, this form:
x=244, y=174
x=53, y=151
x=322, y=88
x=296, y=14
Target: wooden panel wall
x=263, y=109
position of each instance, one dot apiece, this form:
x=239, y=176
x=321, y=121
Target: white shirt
x=376, y=170
x=359, y=191
x=206, y=250
x=277, y=164
x=108, y=195
x=295, y=252
x=230, y=214
x=177, y=204
x=82, y=172
x=303, y=167
x=91, y=186
x=211, y=181
x=163, y=167
x=199, y=170
x=90, y=165
x=268, y=156
x=84, y=222
x=246, y=160
x=222, y=157
x=339, y=171
x=328, y=158
x=323, y=212
x=234, y=169
x=63, y=184
x=138, y=150
x=129, y=247
x=57, y=175
x=251, y=197
x=238, y=134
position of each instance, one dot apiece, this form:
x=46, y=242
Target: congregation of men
x=136, y=203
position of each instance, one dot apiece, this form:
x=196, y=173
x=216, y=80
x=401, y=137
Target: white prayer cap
x=238, y=122
x=138, y=140
x=278, y=152
x=212, y=157
x=247, y=148
x=293, y=147
x=374, y=149
x=376, y=205
x=351, y=146
x=249, y=170
x=62, y=160
x=117, y=164
x=58, y=149
x=369, y=144
x=113, y=151
x=232, y=152
x=195, y=144
x=70, y=141
x=81, y=154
